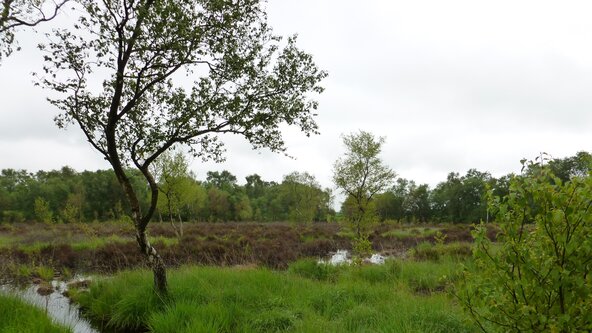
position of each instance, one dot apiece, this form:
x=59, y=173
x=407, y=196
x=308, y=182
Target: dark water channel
x=55, y=304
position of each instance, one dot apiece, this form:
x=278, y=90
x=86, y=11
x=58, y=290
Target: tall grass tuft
x=312, y=269
x=307, y=298
x=19, y=317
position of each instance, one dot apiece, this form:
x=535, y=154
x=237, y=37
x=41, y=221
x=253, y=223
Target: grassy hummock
x=19, y=317
x=399, y=296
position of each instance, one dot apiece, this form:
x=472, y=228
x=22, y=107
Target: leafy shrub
x=539, y=277
x=362, y=248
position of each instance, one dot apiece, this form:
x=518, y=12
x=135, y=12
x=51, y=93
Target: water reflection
x=55, y=304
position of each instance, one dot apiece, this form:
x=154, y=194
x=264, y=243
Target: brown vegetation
x=275, y=245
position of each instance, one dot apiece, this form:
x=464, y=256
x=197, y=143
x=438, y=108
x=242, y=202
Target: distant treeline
x=463, y=199
x=69, y=196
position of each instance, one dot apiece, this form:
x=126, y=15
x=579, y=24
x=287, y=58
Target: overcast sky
x=452, y=85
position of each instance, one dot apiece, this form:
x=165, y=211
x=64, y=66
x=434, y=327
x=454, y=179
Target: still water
x=56, y=305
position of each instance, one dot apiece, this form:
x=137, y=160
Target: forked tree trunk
x=153, y=259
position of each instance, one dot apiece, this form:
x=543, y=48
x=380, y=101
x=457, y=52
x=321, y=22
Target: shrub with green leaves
x=538, y=278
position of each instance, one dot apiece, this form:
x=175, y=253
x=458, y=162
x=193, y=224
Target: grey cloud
x=453, y=85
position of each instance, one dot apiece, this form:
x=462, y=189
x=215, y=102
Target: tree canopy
x=360, y=175
x=240, y=79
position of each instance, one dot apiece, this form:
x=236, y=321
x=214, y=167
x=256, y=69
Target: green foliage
x=72, y=197
x=244, y=81
x=97, y=196
x=303, y=197
x=253, y=83
x=462, y=199
x=362, y=247
x=440, y=238
x=19, y=317
x=538, y=279
x=360, y=175
x=566, y=168
x=177, y=188
x=19, y=14
x=71, y=213
x=64, y=194
x=42, y=211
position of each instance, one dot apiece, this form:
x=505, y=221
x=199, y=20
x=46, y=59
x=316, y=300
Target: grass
x=410, y=232
x=458, y=251
x=309, y=297
x=19, y=317
x=6, y=241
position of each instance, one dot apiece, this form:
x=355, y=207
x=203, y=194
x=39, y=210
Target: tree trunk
x=155, y=262
x=171, y=219
x=180, y=225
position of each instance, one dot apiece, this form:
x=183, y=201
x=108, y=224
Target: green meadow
x=399, y=296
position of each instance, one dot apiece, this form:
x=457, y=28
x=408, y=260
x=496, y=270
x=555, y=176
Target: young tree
x=42, y=210
x=360, y=175
x=172, y=173
x=15, y=14
x=245, y=82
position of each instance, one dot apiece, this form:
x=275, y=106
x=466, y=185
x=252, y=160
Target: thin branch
x=22, y=22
